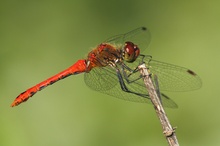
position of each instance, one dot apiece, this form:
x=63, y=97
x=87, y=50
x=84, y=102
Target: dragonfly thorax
x=130, y=52
x=103, y=55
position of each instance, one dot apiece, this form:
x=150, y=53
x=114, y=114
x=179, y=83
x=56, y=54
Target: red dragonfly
x=111, y=68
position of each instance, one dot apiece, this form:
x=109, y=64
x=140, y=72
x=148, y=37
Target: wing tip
x=144, y=28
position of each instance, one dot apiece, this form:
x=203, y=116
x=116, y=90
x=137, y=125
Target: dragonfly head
x=130, y=52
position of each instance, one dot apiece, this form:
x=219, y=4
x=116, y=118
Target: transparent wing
x=105, y=80
x=101, y=79
x=170, y=77
x=140, y=36
x=173, y=77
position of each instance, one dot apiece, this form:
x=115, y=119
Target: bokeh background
x=41, y=38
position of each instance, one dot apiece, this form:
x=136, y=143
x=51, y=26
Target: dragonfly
x=112, y=68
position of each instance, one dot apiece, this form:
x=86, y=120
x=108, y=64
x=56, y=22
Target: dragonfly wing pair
x=170, y=78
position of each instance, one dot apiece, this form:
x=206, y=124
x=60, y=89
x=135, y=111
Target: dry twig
x=168, y=131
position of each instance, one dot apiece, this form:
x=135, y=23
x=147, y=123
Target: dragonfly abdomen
x=78, y=67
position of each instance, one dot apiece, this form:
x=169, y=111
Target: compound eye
x=130, y=52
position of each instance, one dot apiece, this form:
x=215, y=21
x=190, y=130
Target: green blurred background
x=41, y=38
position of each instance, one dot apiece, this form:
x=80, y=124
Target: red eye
x=131, y=52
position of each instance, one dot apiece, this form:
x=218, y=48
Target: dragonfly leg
x=133, y=71
x=157, y=87
x=124, y=87
x=126, y=76
x=136, y=69
x=145, y=56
